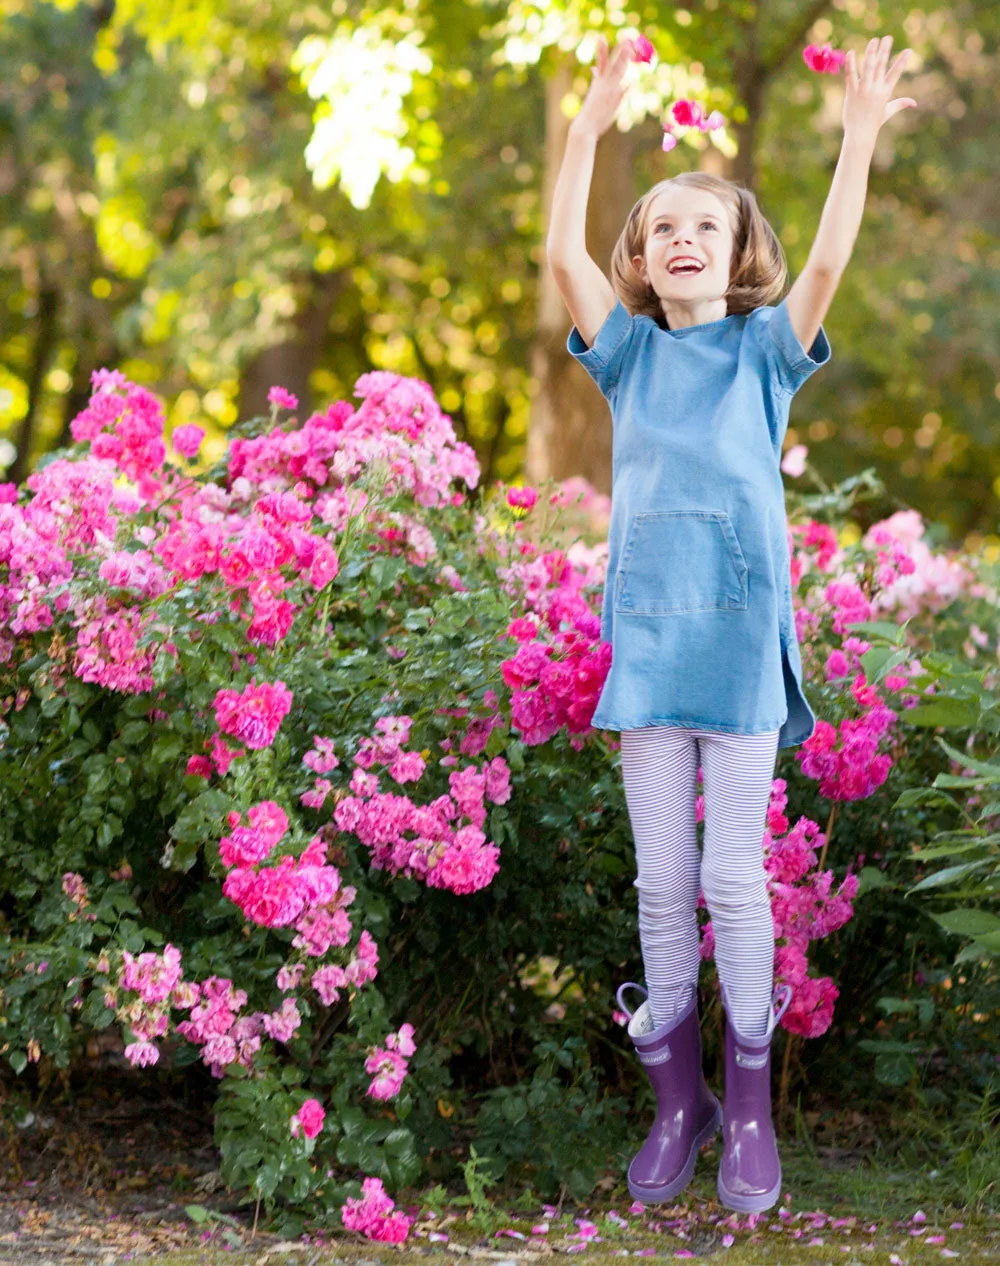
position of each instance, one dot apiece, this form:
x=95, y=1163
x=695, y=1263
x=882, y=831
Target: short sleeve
x=604, y=360
x=787, y=358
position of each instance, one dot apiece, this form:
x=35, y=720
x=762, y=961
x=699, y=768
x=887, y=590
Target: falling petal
x=687, y=113
x=669, y=142
x=642, y=49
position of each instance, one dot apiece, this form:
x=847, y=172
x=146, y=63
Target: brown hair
x=758, y=273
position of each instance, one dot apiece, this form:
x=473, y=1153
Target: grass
x=857, y=1191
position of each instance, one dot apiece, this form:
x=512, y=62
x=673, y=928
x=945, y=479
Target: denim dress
x=697, y=601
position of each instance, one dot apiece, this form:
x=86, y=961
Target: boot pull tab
x=629, y=984
x=785, y=990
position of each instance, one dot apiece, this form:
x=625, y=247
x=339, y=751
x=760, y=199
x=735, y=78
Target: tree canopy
x=217, y=195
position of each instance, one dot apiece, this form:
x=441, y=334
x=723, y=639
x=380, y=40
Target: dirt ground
x=107, y=1176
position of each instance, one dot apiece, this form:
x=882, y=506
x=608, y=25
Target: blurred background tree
x=218, y=195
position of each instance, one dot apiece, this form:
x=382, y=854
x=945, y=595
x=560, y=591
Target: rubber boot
x=750, y=1171
x=687, y=1113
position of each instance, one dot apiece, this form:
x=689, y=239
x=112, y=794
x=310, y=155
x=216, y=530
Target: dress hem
x=682, y=725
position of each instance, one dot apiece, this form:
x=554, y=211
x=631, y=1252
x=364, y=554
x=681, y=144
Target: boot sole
x=749, y=1204
x=655, y=1195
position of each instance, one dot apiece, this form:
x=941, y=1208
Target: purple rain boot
x=750, y=1172
x=687, y=1113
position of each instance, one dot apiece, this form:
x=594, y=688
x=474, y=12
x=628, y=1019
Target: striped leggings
x=659, y=770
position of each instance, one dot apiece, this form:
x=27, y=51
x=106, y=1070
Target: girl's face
x=689, y=246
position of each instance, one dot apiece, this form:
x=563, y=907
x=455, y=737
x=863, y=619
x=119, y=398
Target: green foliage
x=559, y=1127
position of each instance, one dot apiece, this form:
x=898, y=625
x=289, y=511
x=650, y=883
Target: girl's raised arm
x=867, y=106
x=587, y=292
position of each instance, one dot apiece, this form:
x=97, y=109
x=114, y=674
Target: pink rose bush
x=296, y=706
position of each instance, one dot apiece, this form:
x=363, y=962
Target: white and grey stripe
x=659, y=770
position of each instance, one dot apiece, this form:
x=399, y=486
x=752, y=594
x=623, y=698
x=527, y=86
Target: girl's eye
x=707, y=225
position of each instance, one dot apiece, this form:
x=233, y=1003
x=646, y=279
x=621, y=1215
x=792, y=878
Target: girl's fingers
x=602, y=55
x=897, y=67
x=868, y=65
x=884, y=49
x=623, y=55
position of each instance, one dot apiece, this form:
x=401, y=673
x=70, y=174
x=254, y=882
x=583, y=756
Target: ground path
x=113, y=1179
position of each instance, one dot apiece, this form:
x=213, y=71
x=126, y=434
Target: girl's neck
x=679, y=316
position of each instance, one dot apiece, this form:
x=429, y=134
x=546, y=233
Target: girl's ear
x=639, y=264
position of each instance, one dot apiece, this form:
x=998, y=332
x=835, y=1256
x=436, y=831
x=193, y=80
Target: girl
x=699, y=372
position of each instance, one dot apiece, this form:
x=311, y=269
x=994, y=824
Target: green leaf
x=913, y=796
x=948, y=875
x=881, y=660
x=968, y=921
x=197, y=1213
x=965, y=845
x=989, y=771
x=18, y=1060
x=895, y=1006
x=879, y=628
x=958, y=714
x=871, y=878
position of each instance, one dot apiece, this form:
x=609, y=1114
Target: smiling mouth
x=686, y=268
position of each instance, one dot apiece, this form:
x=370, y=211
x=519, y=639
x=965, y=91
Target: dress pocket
x=681, y=560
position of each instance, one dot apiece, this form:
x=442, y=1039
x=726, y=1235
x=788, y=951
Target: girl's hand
x=867, y=103
x=607, y=89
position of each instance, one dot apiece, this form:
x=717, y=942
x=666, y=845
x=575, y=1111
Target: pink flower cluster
x=255, y=714
x=187, y=439
x=555, y=676
x=419, y=841
x=399, y=423
x=250, y=535
x=847, y=764
x=282, y=399
x=251, y=844
x=373, y=1214
x=389, y=1064
x=124, y=429
x=302, y=891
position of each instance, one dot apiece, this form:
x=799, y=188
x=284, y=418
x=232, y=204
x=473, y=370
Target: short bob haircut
x=758, y=272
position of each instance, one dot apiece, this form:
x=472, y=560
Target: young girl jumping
x=699, y=371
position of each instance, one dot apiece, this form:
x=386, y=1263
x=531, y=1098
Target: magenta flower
x=254, y=715
x=642, y=49
x=187, y=439
x=282, y=399
x=824, y=60
x=372, y=1215
x=521, y=498
x=687, y=113
x=309, y=1119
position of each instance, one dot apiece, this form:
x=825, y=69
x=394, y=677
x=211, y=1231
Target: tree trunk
x=290, y=364
x=48, y=322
